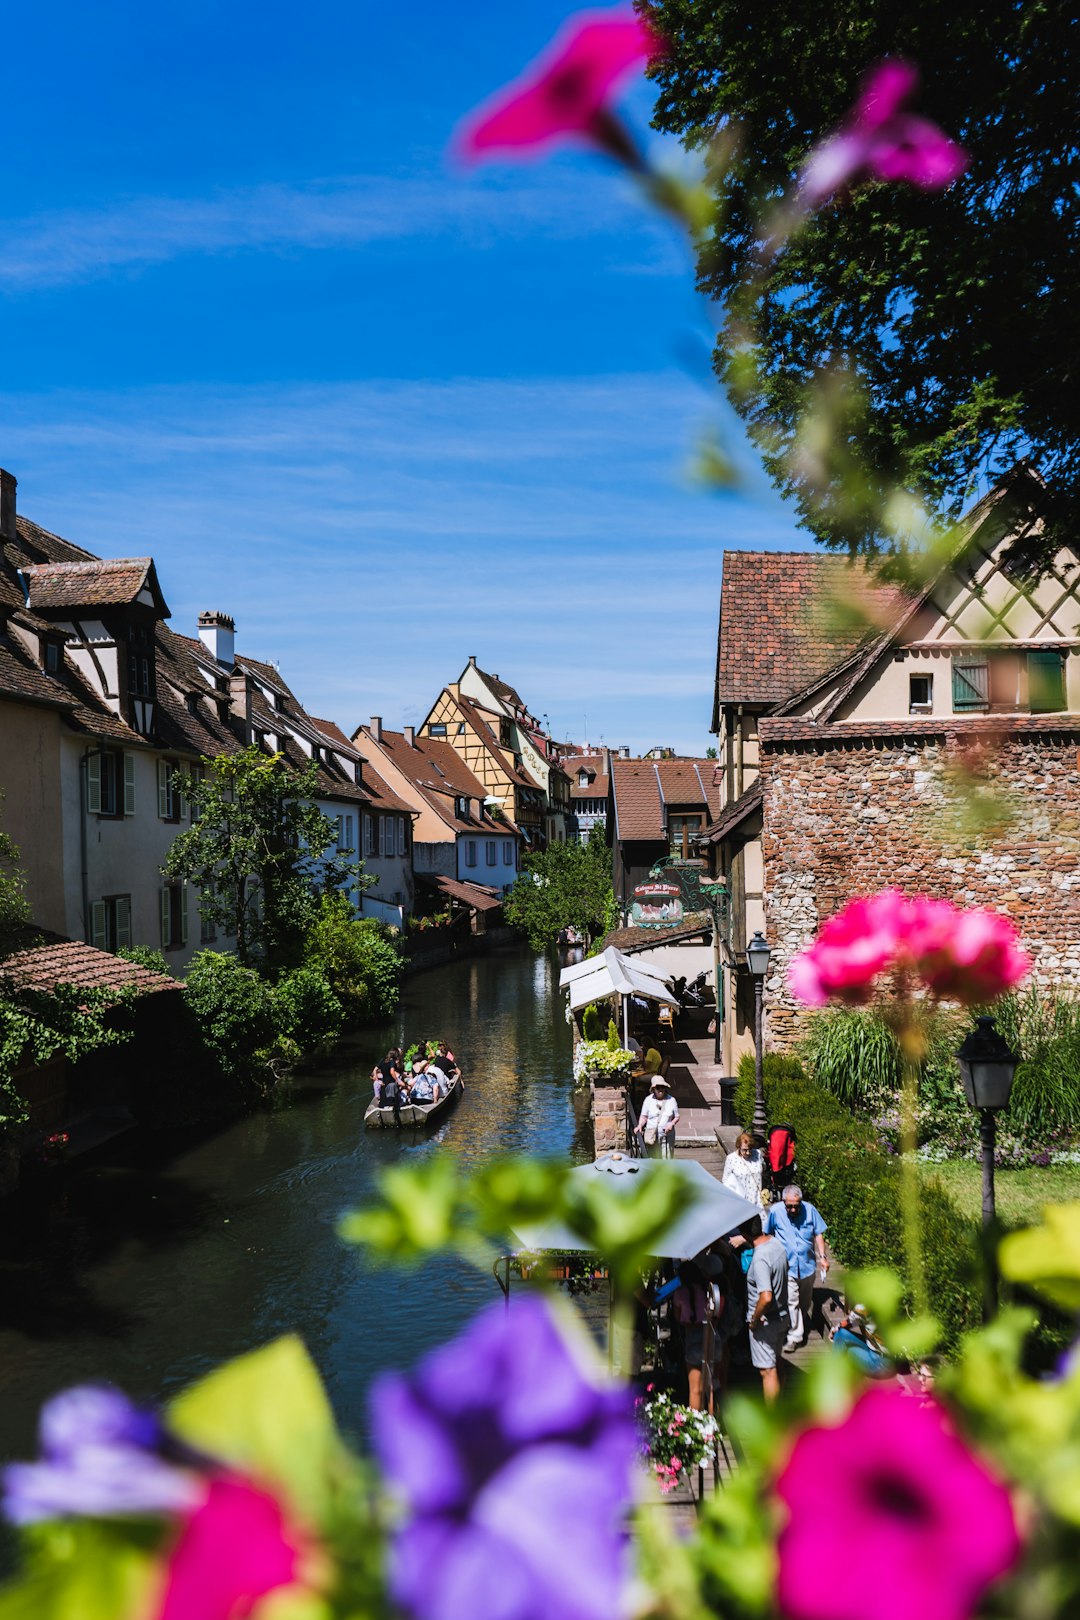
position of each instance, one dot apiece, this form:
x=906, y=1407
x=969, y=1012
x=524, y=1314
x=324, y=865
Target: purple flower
x=100, y=1456
x=879, y=139
x=516, y=1469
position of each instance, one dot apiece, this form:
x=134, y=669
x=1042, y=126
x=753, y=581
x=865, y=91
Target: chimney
x=7, y=505
x=472, y=660
x=217, y=632
x=240, y=702
x=376, y=727
x=410, y=737
x=624, y=753
x=607, y=762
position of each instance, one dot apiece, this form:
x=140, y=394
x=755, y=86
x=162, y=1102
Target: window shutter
x=99, y=925
x=123, y=923
x=182, y=901
x=163, y=789
x=93, y=784
x=970, y=683
x=401, y=835
x=382, y=836
x=166, y=918
x=1046, y=681
x=129, y=784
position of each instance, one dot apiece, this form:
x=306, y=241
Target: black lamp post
x=987, y=1068
x=757, y=960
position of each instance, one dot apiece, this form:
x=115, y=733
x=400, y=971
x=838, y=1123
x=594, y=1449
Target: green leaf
x=626, y=1229
x=84, y=1570
x=267, y=1414
x=417, y=1213
x=1046, y=1258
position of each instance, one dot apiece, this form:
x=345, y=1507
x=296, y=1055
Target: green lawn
x=1020, y=1193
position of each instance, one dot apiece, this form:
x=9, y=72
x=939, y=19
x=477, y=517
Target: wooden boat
x=412, y=1116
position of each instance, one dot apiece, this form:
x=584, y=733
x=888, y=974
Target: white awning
x=612, y=974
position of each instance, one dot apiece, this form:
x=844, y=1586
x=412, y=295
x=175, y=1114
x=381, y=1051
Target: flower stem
x=909, y=1185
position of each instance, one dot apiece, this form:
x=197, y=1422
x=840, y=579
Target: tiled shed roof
x=70, y=962
x=642, y=787
x=778, y=632
x=87, y=584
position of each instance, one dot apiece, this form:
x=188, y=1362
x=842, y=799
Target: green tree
x=951, y=315
x=564, y=886
x=14, y=907
x=359, y=957
x=258, y=849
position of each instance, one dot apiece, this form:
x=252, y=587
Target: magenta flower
x=971, y=956
x=516, y=1470
x=893, y=1498
x=879, y=139
x=565, y=92
x=233, y=1550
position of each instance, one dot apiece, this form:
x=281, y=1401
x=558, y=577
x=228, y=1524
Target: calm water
x=146, y=1270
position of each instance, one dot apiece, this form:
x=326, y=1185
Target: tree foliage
x=359, y=959
x=950, y=316
x=14, y=908
x=258, y=849
x=564, y=886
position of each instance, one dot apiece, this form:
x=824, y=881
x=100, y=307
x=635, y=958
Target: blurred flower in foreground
x=100, y=1456
x=895, y=1505
x=878, y=139
x=516, y=1470
x=970, y=956
x=233, y=1550
x=565, y=92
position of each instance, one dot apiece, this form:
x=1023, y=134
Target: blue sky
x=384, y=412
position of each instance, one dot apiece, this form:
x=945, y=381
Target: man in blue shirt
x=801, y=1230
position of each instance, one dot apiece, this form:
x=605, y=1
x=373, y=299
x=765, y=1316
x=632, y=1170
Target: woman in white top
x=742, y=1169
x=659, y=1117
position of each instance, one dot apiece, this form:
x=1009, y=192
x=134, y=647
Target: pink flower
x=850, y=951
x=231, y=1552
x=877, y=138
x=675, y=1465
x=564, y=92
x=968, y=956
x=893, y=1497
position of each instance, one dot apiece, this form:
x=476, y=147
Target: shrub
x=234, y=1009
x=856, y=1185
x=306, y=1011
x=146, y=957
x=592, y=1024
x=358, y=957
x=1045, y=1027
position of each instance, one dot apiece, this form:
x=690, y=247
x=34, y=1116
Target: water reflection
x=150, y=1265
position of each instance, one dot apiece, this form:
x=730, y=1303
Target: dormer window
x=279, y=702
x=52, y=657
x=461, y=808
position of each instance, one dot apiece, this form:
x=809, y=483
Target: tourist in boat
x=658, y=1119
x=444, y=1059
x=425, y=1086
x=742, y=1169
x=390, y=1069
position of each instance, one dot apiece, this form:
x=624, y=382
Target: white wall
x=499, y=876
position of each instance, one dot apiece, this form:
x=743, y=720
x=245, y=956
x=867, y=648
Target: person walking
x=801, y=1230
x=742, y=1169
x=766, y=1304
x=658, y=1119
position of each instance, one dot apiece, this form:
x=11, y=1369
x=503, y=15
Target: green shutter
x=182, y=898
x=93, y=784
x=123, y=922
x=1046, y=681
x=970, y=683
x=129, y=784
x=99, y=925
x=166, y=919
x=163, y=789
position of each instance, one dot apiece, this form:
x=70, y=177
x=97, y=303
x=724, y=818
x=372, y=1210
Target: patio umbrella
x=716, y=1210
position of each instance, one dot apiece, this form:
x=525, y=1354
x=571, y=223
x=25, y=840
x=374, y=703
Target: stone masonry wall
x=847, y=819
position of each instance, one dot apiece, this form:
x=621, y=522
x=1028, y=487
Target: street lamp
x=987, y=1068
x=757, y=960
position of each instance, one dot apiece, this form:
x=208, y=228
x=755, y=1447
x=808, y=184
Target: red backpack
x=780, y=1153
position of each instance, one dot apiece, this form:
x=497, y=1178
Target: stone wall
x=609, y=1118
x=845, y=818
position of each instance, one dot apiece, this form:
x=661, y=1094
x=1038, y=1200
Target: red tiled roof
x=470, y=894
x=776, y=730
x=646, y=939
x=642, y=787
x=778, y=632
x=735, y=813
x=87, y=584
x=439, y=774
x=69, y=962
x=594, y=764
x=21, y=678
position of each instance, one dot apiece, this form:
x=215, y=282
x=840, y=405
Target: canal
x=145, y=1267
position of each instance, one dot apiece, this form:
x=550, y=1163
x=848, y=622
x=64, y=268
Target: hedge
x=846, y=1174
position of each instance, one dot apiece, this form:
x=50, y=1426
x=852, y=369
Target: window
x=678, y=825
x=369, y=835
x=461, y=809
x=173, y=916
x=110, y=923
x=470, y=852
x=171, y=802
x=437, y=731
x=140, y=664
x=52, y=656
x=461, y=728
x=345, y=843
x=110, y=783
x=490, y=852
x=506, y=734
x=508, y=852
x=920, y=694
x=970, y=682
x=1046, y=682
x=401, y=835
